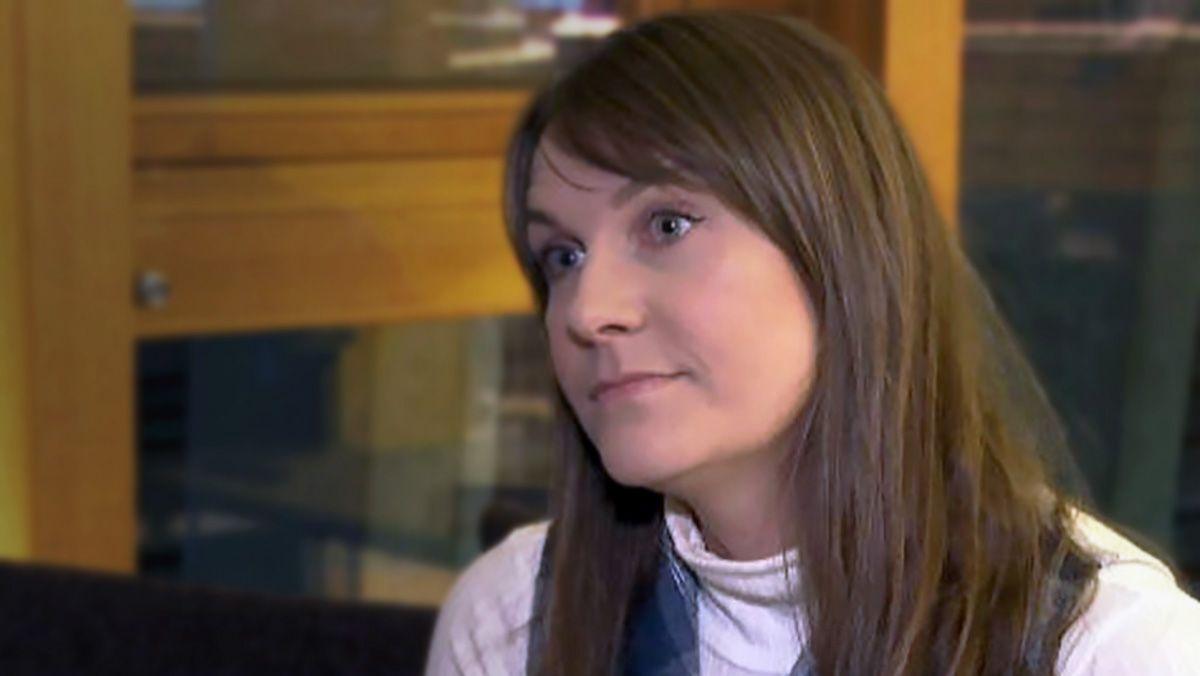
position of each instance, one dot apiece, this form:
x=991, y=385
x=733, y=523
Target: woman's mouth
x=631, y=386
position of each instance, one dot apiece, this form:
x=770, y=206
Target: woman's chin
x=641, y=472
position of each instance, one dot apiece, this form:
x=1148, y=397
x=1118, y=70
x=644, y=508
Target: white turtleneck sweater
x=1139, y=622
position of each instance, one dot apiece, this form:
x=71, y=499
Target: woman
x=795, y=436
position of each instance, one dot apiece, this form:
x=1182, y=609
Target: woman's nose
x=605, y=301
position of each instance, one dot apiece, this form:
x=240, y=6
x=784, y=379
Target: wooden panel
x=249, y=248
x=15, y=517
x=922, y=70
x=796, y=7
x=213, y=129
x=635, y=10
x=857, y=24
x=76, y=196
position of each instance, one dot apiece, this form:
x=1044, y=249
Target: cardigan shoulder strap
x=660, y=636
x=537, y=621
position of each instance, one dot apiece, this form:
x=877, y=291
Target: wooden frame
x=70, y=220
x=922, y=71
x=281, y=246
x=14, y=383
x=200, y=129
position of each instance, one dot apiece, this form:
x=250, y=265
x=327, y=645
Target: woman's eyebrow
x=633, y=189
x=538, y=217
x=541, y=218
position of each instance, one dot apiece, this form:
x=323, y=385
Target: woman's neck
x=740, y=512
x=737, y=535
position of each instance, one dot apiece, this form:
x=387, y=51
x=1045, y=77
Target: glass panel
x=362, y=464
x=1080, y=204
x=304, y=44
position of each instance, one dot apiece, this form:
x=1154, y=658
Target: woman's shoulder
x=1139, y=620
x=504, y=574
x=481, y=627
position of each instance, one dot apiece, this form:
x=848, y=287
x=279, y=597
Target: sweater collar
x=766, y=581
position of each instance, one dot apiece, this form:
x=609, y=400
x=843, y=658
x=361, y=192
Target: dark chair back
x=61, y=621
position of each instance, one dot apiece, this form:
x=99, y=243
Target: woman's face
x=680, y=334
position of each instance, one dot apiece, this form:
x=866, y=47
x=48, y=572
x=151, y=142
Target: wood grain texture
x=76, y=213
x=15, y=515
x=922, y=71
x=255, y=248
x=212, y=129
x=857, y=24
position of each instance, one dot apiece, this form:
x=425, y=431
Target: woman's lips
x=632, y=387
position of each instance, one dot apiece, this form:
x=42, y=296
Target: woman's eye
x=671, y=225
x=666, y=226
x=555, y=261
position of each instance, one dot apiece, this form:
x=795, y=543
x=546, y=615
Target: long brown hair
x=930, y=538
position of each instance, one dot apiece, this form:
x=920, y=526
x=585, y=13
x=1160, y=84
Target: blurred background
x=261, y=329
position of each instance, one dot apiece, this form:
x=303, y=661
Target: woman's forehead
x=556, y=172
x=559, y=174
